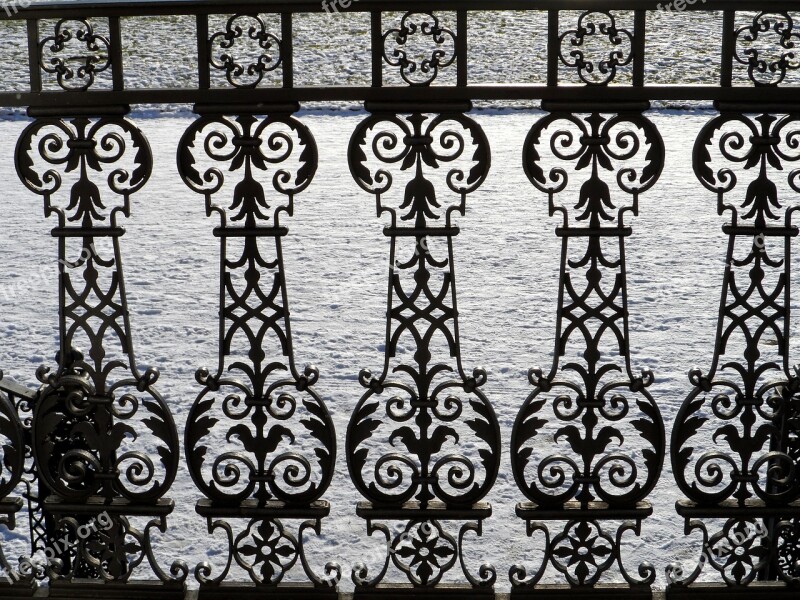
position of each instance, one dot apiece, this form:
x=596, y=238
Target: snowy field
x=337, y=257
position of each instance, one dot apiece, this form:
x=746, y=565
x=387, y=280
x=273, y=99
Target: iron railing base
x=611, y=591
x=753, y=591
x=130, y=590
x=383, y=592
x=297, y=591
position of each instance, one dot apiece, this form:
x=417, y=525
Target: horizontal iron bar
x=271, y=509
x=577, y=510
x=73, y=232
x=58, y=112
x=434, y=510
x=593, y=231
x=96, y=504
x=731, y=509
x=593, y=98
x=10, y=505
x=239, y=109
x=765, y=231
x=427, y=232
x=12, y=387
x=44, y=9
x=250, y=231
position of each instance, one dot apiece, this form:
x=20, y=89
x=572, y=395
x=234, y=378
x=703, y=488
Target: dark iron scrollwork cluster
x=74, y=71
x=583, y=550
x=279, y=437
x=575, y=52
x=422, y=414
x=241, y=30
x=572, y=446
x=99, y=427
x=408, y=437
x=595, y=410
x=12, y=444
x=746, y=413
x=408, y=47
x=768, y=67
x=12, y=468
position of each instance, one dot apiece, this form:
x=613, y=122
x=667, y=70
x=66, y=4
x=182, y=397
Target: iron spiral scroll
x=260, y=443
x=12, y=470
x=103, y=439
x=407, y=436
x=747, y=403
x=573, y=439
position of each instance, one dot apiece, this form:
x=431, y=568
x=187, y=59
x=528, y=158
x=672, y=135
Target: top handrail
x=43, y=9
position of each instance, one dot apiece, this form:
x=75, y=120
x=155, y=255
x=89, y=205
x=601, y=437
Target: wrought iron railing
x=95, y=447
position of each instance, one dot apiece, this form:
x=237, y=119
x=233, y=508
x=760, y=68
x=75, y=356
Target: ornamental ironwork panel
x=260, y=443
x=735, y=438
x=588, y=443
x=423, y=443
x=102, y=437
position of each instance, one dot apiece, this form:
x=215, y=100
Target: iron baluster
x=571, y=446
x=746, y=402
x=95, y=418
x=281, y=441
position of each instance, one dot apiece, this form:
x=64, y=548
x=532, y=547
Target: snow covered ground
x=336, y=255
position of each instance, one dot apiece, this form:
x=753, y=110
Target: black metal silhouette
x=97, y=419
x=588, y=444
x=745, y=407
x=12, y=469
x=407, y=436
x=423, y=446
x=280, y=452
